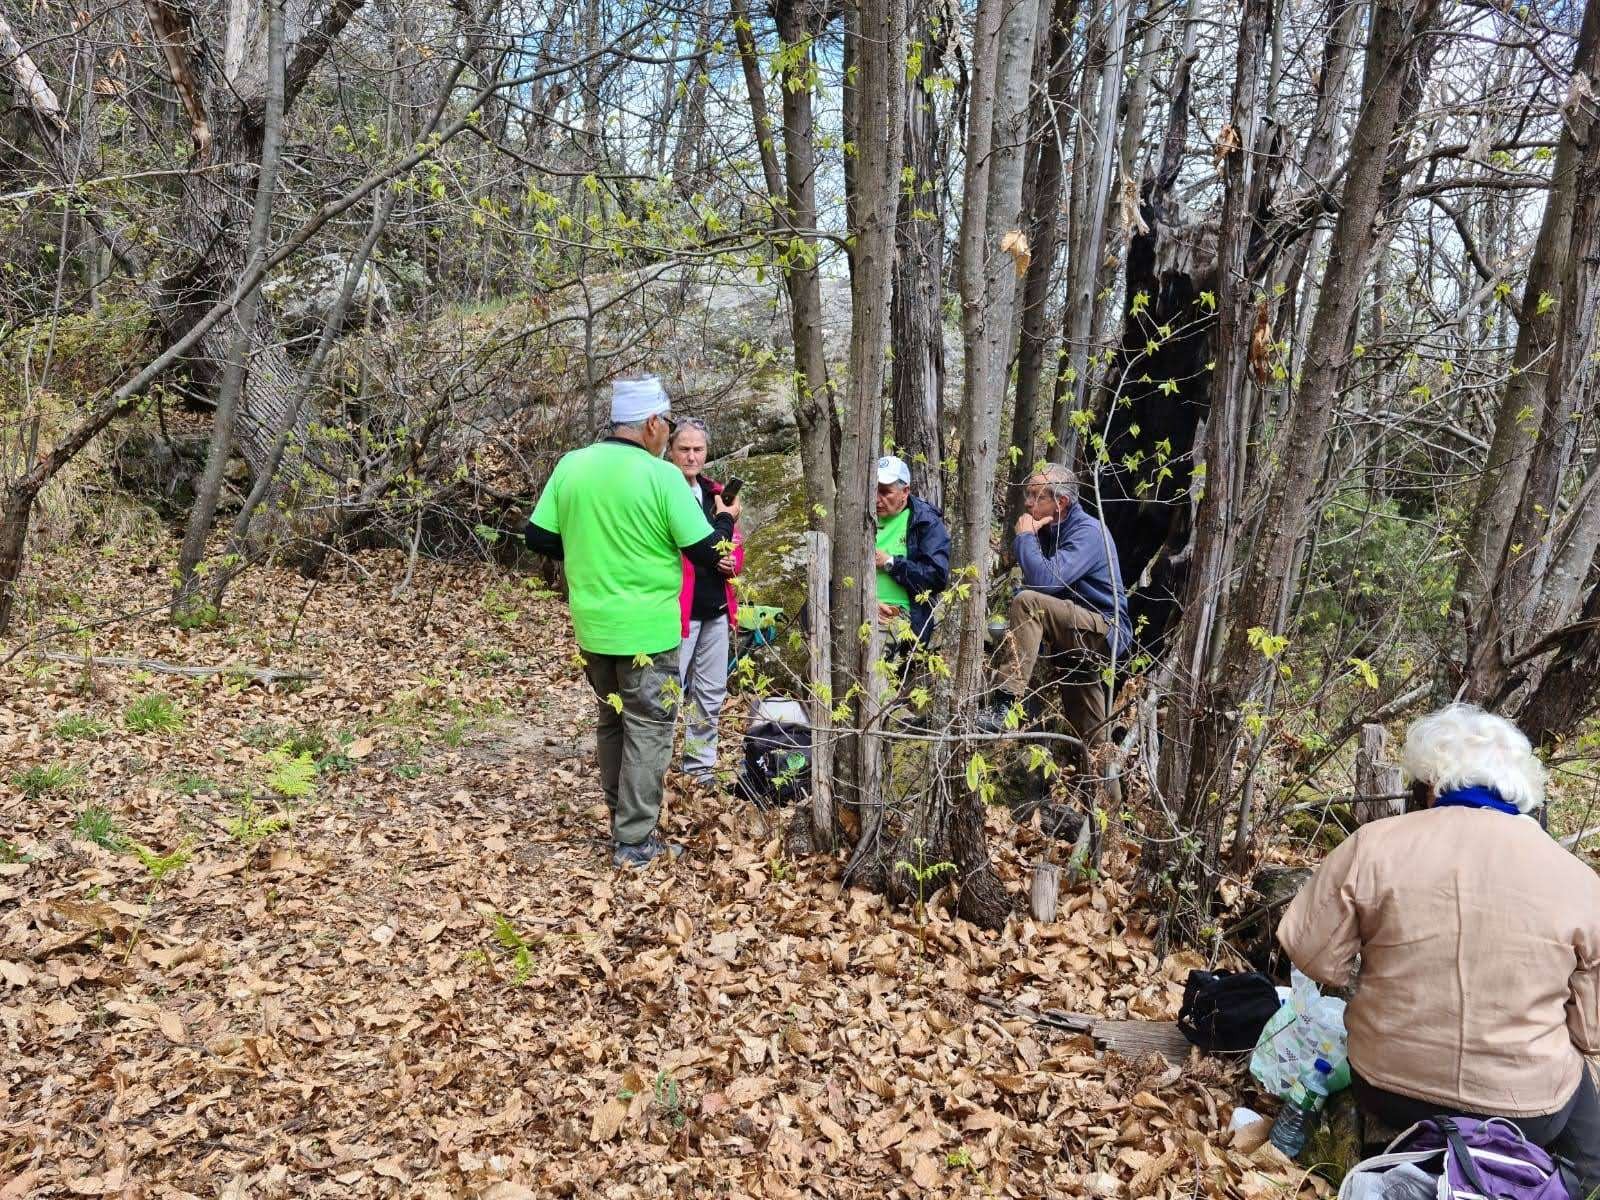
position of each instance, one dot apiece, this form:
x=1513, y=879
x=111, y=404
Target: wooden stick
x=1376, y=777
x=1078, y=860
x=157, y=667
x=819, y=554
x=1045, y=893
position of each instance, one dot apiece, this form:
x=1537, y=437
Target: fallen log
x=264, y=675
x=1132, y=1039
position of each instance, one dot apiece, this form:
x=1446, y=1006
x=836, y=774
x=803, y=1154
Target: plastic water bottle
x=1300, y=1108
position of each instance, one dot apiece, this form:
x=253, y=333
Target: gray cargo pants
x=633, y=746
x=703, y=672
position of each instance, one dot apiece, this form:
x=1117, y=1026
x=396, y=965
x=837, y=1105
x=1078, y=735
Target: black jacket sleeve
x=542, y=541
x=926, y=565
x=707, y=552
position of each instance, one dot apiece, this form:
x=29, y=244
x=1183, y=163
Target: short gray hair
x=689, y=423
x=1463, y=746
x=1062, y=481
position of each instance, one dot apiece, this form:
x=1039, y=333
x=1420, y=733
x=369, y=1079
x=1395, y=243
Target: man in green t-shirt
x=913, y=555
x=619, y=516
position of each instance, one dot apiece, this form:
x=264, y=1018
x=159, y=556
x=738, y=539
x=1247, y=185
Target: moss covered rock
x=774, y=526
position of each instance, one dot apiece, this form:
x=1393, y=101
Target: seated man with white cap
x=619, y=516
x=913, y=550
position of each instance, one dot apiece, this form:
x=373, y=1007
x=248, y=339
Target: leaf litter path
x=422, y=978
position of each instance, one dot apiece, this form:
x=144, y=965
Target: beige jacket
x=1479, y=939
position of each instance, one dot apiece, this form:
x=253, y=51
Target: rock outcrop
x=304, y=296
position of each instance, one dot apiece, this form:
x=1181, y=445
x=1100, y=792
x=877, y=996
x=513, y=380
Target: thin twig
x=156, y=666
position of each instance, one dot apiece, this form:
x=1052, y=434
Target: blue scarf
x=1476, y=797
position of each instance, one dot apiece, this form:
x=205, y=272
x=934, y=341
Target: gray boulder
x=305, y=295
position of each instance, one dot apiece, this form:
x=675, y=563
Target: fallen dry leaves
x=429, y=982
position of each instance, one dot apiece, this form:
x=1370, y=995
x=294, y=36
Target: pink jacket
x=686, y=593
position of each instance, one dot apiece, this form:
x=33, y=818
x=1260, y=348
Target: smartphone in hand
x=730, y=490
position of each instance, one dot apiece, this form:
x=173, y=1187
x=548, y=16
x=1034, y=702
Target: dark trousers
x=1573, y=1133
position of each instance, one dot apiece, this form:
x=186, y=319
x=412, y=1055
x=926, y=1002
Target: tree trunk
x=1089, y=244
x=918, y=320
x=692, y=130
x=35, y=88
x=1199, y=766
x=209, y=491
x=1044, y=220
x=1568, y=691
x=996, y=143
x=796, y=210
x=1397, y=32
x=1558, y=319
x=819, y=702
x=1184, y=760
x=1521, y=416
x=215, y=222
x=880, y=93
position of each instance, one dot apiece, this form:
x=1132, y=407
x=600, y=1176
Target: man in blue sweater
x=1072, y=599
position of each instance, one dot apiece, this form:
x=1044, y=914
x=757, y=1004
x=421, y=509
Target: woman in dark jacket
x=709, y=610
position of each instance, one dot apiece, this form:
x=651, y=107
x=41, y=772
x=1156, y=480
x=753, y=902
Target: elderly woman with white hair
x=1478, y=940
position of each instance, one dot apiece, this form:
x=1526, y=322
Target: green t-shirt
x=892, y=541
x=622, y=514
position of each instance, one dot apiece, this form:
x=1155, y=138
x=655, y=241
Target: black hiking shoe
x=642, y=853
x=996, y=716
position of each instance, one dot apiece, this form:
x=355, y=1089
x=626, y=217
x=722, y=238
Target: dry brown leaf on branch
x=1015, y=243
x=1227, y=143
x=1261, y=345
x=1128, y=197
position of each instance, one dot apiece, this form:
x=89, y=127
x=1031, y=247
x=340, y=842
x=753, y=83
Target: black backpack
x=777, y=755
x=1226, y=1010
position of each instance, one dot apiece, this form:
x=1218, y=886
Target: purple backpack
x=1457, y=1158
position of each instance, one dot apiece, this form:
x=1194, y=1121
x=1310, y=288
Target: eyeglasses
x=1036, y=493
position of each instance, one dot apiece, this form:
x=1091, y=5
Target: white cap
x=893, y=470
x=637, y=400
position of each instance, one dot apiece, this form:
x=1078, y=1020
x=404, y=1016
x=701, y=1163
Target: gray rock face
x=304, y=296
x=757, y=420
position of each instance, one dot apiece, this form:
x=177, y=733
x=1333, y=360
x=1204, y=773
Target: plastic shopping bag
x=1306, y=1027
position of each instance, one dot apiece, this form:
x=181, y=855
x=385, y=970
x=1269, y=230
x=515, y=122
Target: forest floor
x=359, y=936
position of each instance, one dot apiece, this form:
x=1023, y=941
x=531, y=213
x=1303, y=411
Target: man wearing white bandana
x=619, y=517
